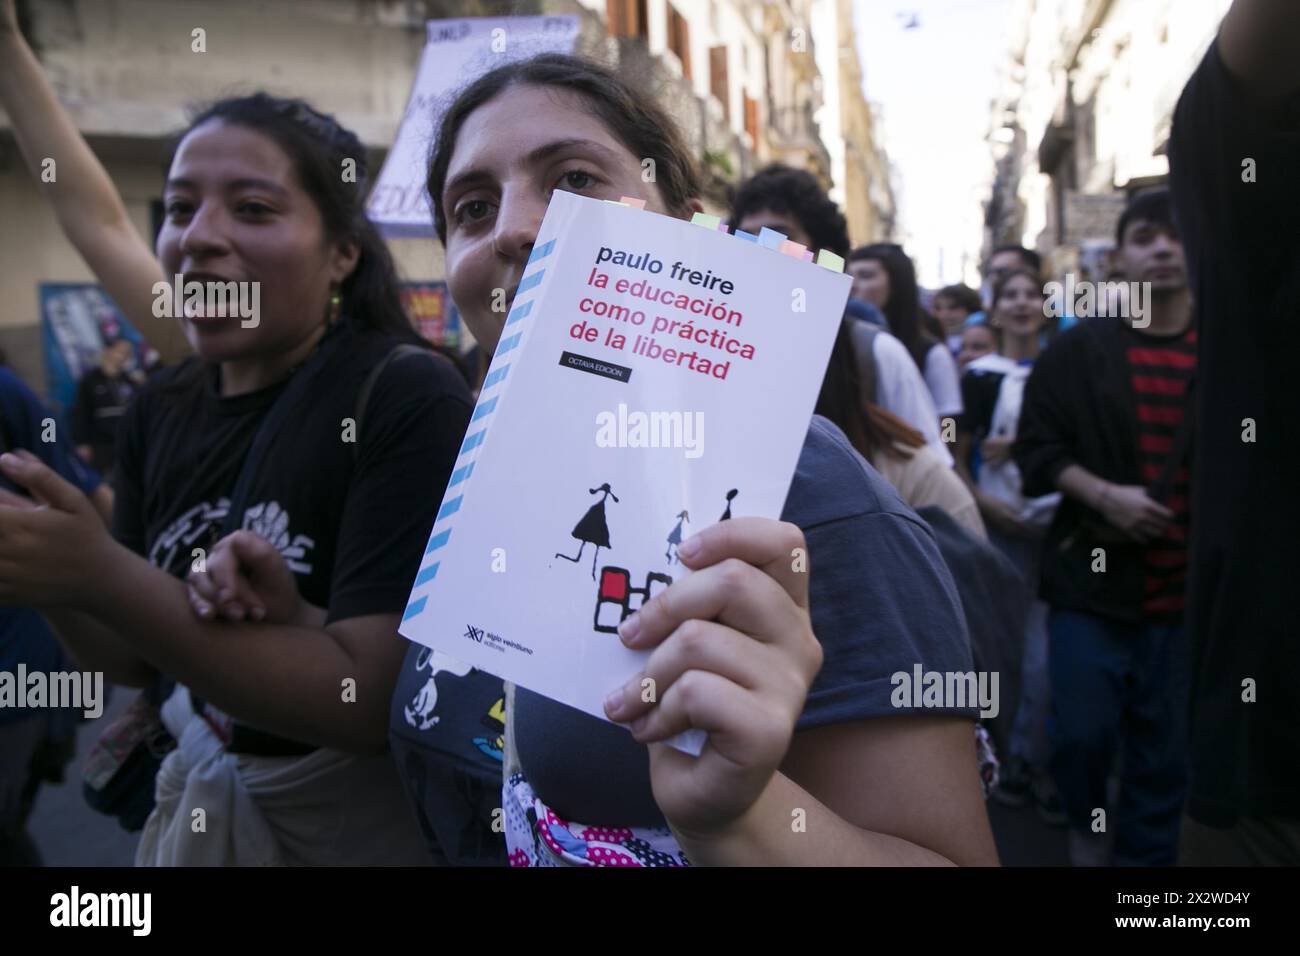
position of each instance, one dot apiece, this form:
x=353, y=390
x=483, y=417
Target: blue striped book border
x=480, y=421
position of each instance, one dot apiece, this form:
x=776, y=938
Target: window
x=751, y=118
x=718, y=78
x=626, y=18
x=679, y=39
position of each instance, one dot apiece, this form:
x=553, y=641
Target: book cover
x=653, y=377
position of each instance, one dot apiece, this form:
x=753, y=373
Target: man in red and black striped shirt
x=1103, y=421
x=1161, y=368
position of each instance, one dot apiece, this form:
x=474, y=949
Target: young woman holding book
x=807, y=760
x=287, y=756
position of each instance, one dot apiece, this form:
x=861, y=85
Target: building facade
x=1083, y=119
x=860, y=171
x=743, y=78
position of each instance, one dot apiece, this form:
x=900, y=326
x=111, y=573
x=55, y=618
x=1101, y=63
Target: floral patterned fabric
x=537, y=836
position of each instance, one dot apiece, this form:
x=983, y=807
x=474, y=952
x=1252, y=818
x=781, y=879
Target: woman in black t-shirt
x=802, y=726
x=287, y=757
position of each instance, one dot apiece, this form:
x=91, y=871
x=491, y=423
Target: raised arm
x=87, y=204
x=1260, y=45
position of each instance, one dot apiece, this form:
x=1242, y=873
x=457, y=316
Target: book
x=653, y=376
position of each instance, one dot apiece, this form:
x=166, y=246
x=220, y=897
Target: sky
x=934, y=82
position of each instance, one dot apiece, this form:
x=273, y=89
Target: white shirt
x=901, y=389
x=943, y=380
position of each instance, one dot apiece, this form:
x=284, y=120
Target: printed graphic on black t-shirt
x=446, y=728
x=351, y=518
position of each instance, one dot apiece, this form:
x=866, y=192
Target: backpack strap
x=368, y=386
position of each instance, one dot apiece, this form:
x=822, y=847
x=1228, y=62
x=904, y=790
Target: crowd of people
x=982, y=487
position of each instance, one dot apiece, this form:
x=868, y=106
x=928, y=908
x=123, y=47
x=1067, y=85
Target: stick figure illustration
x=726, y=515
x=592, y=529
x=675, y=537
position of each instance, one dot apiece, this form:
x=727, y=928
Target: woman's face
x=511, y=153
x=976, y=341
x=236, y=213
x=1019, y=309
x=950, y=315
x=870, y=282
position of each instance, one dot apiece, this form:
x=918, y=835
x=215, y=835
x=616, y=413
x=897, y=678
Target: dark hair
x=903, y=310
x=932, y=326
x=845, y=399
x=1000, y=286
x=1153, y=206
x=797, y=193
x=634, y=118
x=1031, y=259
x=963, y=296
x=317, y=145
x=992, y=330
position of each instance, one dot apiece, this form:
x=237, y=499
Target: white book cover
x=653, y=377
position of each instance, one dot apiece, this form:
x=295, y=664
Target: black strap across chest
x=249, y=740
x=244, y=739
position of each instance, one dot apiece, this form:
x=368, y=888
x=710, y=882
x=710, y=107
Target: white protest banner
x=455, y=53
x=653, y=377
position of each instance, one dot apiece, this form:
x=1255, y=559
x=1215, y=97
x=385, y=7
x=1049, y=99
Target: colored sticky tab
x=770, y=238
x=747, y=236
x=615, y=202
x=807, y=255
x=722, y=227
x=705, y=220
x=829, y=260
x=632, y=201
x=792, y=248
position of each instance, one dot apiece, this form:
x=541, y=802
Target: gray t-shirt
x=882, y=601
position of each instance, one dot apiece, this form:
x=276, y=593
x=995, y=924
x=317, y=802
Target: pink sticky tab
x=790, y=248
x=722, y=227
x=630, y=201
x=807, y=255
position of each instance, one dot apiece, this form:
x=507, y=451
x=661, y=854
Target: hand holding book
x=733, y=654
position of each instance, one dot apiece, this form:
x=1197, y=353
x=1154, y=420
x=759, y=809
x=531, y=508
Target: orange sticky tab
x=791, y=248
x=632, y=201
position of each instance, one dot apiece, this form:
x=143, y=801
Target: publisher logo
x=494, y=642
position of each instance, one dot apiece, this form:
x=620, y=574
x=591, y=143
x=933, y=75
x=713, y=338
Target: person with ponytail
x=895, y=449
x=298, y=436
x=883, y=275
